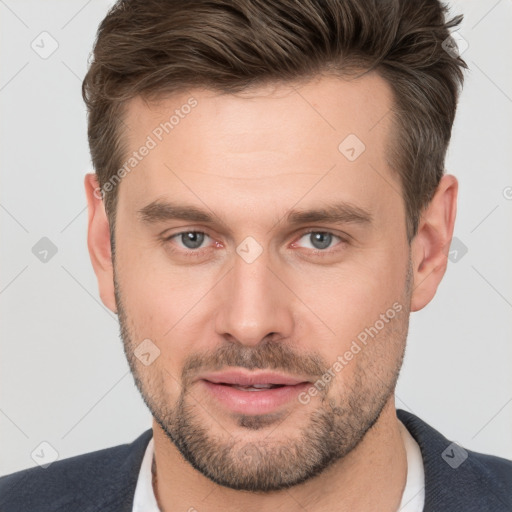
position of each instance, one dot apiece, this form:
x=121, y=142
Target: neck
x=371, y=477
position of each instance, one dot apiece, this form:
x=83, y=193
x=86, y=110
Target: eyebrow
x=340, y=213
x=158, y=211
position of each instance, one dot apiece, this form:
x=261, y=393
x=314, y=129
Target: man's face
x=253, y=291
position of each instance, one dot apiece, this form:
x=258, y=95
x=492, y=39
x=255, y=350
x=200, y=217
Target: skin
x=249, y=159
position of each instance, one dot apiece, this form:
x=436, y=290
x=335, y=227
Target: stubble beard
x=335, y=425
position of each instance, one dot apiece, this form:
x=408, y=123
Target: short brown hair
x=153, y=48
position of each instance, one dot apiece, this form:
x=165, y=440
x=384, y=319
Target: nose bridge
x=254, y=302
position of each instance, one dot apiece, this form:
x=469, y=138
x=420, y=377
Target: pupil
x=192, y=239
x=321, y=240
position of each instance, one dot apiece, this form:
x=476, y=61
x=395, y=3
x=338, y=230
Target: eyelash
x=200, y=251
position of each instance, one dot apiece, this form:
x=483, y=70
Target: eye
x=190, y=239
x=192, y=242
x=319, y=240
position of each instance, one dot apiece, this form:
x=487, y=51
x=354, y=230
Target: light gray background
x=64, y=378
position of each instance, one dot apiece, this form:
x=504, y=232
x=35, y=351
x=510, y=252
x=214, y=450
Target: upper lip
x=243, y=378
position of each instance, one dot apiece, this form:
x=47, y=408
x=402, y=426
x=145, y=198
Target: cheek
x=166, y=304
x=351, y=296
x=342, y=303
x=154, y=292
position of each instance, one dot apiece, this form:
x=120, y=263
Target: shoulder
x=456, y=478
x=93, y=481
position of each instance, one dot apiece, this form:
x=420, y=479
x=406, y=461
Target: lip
x=241, y=378
x=220, y=387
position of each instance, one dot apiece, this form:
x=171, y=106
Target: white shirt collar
x=144, y=499
x=413, y=497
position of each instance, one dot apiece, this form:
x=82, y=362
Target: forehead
x=266, y=143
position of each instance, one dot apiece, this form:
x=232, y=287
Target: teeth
x=254, y=387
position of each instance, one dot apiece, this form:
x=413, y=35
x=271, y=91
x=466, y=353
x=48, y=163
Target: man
x=268, y=207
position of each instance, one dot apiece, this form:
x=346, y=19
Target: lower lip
x=254, y=402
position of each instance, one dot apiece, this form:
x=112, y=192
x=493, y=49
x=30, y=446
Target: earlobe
x=98, y=241
x=431, y=244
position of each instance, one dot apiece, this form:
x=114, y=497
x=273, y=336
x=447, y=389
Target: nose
x=255, y=303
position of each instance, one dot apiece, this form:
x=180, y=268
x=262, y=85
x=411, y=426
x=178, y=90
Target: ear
x=98, y=241
x=431, y=244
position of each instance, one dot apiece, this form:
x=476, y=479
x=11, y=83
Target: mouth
x=254, y=387
x=253, y=392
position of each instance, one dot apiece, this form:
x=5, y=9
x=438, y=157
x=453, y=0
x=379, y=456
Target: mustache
x=268, y=355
